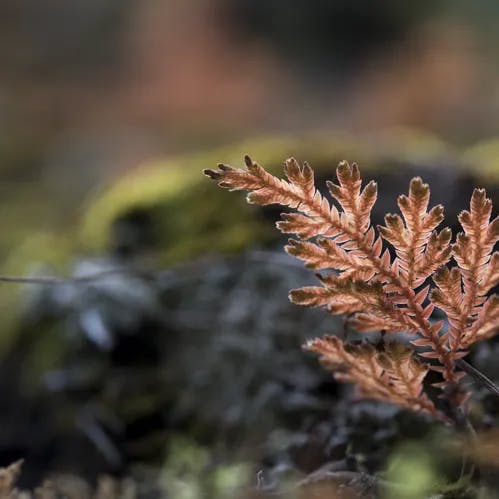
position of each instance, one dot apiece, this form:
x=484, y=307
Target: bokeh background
x=181, y=360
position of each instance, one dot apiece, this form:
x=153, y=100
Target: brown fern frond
x=490, y=277
x=303, y=226
x=350, y=233
x=394, y=322
x=348, y=296
x=346, y=232
x=382, y=294
x=316, y=257
x=356, y=206
x=339, y=295
x=486, y=324
x=419, y=249
x=462, y=293
x=448, y=295
x=317, y=218
x=316, y=215
x=392, y=375
x=325, y=254
x=436, y=254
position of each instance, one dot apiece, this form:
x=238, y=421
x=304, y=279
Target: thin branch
x=478, y=376
x=52, y=280
x=257, y=256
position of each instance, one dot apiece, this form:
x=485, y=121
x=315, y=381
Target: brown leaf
x=364, y=281
x=392, y=375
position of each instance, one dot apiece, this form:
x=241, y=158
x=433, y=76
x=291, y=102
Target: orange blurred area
x=96, y=87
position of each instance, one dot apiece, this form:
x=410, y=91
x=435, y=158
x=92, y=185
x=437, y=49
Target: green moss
x=192, y=472
x=411, y=473
x=190, y=217
x=484, y=158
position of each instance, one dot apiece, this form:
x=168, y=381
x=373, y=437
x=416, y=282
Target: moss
x=484, y=158
x=411, y=473
x=189, y=217
x=191, y=471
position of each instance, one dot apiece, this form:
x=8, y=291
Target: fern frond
x=419, y=249
x=324, y=254
x=390, y=321
x=349, y=231
x=448, y=295
x=339, y=295
x=486, y=323
x=356, y=206
x=462, y=292
x=392, y=375
x=490, y=277
x=299, y=192
x=351, y=239
x=436, y=254
x=382, y=294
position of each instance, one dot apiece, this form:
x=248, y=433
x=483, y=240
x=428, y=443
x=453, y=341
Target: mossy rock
x=484, y=156
x=167, y=206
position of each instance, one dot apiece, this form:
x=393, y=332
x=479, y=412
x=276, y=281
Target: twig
x=61, y=280
x=478, y=376
x=257, y=256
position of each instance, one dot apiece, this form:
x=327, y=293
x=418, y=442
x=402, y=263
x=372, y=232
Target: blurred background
x=179, y=365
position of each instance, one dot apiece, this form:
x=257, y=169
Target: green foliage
x=190, y=473
x=485, y=157
x=412, y=473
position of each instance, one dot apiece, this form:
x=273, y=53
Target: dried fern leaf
x=339, y=295
x=351, y=246
x=391, y=375
x=486, y=324
x=380, y=293
x=462, y=292
x=411, y=235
